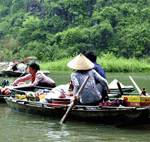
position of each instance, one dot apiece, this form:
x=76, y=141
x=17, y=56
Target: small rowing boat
x=17, y=73
x=57, y=106
x=114, y=87
x=94, y=114
x=12, y=73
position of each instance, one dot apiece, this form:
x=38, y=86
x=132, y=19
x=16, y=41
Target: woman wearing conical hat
x=90, y=94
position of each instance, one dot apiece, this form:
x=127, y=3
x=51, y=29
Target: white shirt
x=21, y=67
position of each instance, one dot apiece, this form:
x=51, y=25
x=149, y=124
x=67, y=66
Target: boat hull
x=94, y=114
x=12, y=73
x=18, y=74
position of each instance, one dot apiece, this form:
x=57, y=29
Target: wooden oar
x=23, y=72
x=72, y=104
x=120, y=89
x=136, y=86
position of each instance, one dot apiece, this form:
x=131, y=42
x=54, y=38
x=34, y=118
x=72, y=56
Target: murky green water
x=19, y=127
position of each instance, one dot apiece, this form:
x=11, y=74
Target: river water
x=19, y=127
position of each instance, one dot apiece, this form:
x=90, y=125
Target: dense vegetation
x=55, y=29
x=109, y=63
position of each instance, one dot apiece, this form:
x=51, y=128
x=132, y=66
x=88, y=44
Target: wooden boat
x=46, y=72
x=114, y=88
x=25, y=89
x=17, y=73
x=22, y=90
x=1, y=74
x=94, y=114
x=12, y=73
x=2, y=100
x=3, y=65
x=112, y=95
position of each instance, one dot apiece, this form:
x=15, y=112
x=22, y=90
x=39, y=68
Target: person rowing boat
x=90, y=94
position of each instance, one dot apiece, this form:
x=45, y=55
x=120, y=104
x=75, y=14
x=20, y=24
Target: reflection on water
x=19, y=127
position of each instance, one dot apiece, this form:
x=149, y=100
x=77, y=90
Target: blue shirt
x=90, y=93
x=99, y=69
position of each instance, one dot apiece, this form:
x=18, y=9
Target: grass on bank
x=109, y=64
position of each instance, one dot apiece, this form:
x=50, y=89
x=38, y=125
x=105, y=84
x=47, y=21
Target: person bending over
x=36, y=77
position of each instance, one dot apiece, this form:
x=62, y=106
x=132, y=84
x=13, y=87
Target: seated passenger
x=90, y=94
x=93, y=57
x=12, y=66
x=22, y=67
x=36, y=77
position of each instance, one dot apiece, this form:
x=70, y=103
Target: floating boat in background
x=46, y=72
x=114, y=87
x=94, y=114
x=3, y=65
x=1, y=74
x=18, y=74
x=12, y=73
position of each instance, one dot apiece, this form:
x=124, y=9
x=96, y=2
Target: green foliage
x=109, y=63
x=8, y=49
x=60, y=65
x=74, y=35
x=55, y=29
x=3, y=10
x=100, y=35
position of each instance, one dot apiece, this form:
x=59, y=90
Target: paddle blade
x=63, y=120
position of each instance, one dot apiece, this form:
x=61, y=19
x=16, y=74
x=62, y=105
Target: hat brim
x=80, y=62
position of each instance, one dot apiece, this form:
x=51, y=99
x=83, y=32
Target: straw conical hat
x=80, y=62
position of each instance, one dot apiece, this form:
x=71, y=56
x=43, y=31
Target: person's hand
x=75, y=98
x=15, y=84
x=108, y=91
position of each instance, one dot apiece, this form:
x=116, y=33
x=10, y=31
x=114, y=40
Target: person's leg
x=105, y=95
x=103, y=92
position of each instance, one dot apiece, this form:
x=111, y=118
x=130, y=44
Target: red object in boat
x=7, y=92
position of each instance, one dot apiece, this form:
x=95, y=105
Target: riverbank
x=109, y=64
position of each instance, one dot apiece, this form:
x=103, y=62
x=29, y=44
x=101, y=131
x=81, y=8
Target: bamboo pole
x=72, y=104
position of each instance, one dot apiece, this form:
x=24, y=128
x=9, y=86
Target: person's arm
x=37, y=80
x=99, y=69
x=75, y=83
x=101, y=80
x=21, y=79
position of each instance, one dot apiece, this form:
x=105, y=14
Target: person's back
x=21, y=67
x=93, y=57
x=99, y=69
x=90, y=88
x=90, y=93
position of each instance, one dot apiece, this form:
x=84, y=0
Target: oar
x=72, y=104
x=120, y=89
x=136, y=85
x=23, y=72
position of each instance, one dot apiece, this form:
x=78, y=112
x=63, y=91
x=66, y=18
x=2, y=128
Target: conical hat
x=80, y=62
